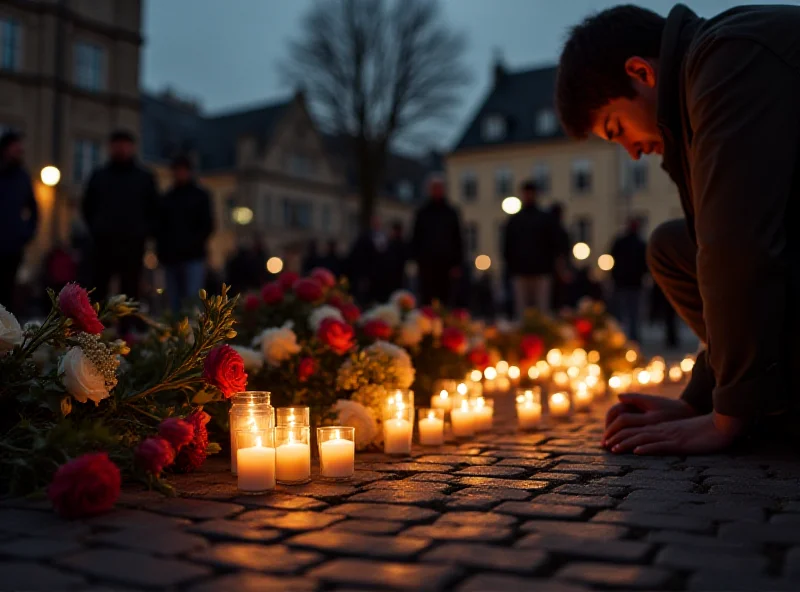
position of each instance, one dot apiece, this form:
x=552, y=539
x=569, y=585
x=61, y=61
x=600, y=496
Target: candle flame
x=431, y=415
x=675, y=373
x=444, y=394
x=513, y=372
x=479, y=403
x=558, y=398
x=258, y=441
x=615, y=382
x=520, y=399
x=337, y=435
x=461, y=388
x=476, y=375
x=464, y=406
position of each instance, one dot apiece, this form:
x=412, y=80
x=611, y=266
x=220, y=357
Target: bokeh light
x=581, y=251
x=275, y=265
x=50, y=176
x=511, y=205
x=483, y=262
x=605, y=262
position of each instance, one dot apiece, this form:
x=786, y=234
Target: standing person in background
x=531, y=250
x=564, y=276
x=185, y=224
x=331, y=260
x=311, y=259
x=630, y=266
x=363, y=263
x=246, y=269
x=437, y=245
x=19, y=214
x=120, y=207
x=394, y=261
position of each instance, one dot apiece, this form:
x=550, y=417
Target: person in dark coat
x=720, y=100
x=363, y=264
x=437, y=245
x=186, y=222
x=530, y=250
x=630, y=266
x=331, y=260
x=19, y=213
x=121, y=209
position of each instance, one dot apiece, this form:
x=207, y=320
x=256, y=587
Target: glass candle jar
x=337, y=448
x=256, y=460
x=292, y=454
x=398, y=422
x=559, y=405
x=529, y=407
x=431, y=427
x=482, y=414
x=292, y=416
x=250, y=410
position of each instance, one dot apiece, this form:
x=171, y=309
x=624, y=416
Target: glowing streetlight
x=605, y=262
x=242, y=215
x=581, y=251
x=274, y=265
x=483, y=262
x=50, y=176
x=511, y=205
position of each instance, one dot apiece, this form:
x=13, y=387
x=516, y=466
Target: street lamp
x=511, y=205
x=50, y=176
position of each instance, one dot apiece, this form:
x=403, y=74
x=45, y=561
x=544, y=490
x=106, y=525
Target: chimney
x=499, y=68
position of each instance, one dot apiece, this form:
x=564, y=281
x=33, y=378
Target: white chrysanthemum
x=10, y=331
x=388, y=313
x=403, y=300
x=398, y=354
x=278, y=344
x=410, y=334
x=356, y=415
x=321, y=313
x=253, y=360
x=423, y=323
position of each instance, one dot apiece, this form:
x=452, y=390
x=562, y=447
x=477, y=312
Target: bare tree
x=374, y=70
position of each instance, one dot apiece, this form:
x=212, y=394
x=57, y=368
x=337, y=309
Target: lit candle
x=529, y=414
x=442, y=401
x=503, y=383
x=431, y=428
x=583, y=397
x=293, y=461
x=462, y=420
x=687, y=364
x=475, y=375
x=559, y=405
x=675, y=373
x=544, y=369
x=561, y=379
x=554, y=357
x=513, y=374
x=502, y=367
x=483, y=415
x=256, y=468
x=643, y=377
x=490, y=373
x=337, y=457
x=397, y=435
x=573, y=371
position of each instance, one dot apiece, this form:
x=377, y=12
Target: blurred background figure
x=437, y=245
x=531, y=249
x=394, y=261
x=121, y=208
x=246, y=269
x=564, y=275
x=19, y=214
x=661, y=310
x=185, y=224
x=311, y=258
x=630, y=267
x=363, y=263
x=331, y=260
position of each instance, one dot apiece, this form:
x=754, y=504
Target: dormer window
x=546, y=122
x=493, y=128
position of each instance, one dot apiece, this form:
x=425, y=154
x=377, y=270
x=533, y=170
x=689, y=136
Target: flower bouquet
x=593, y=328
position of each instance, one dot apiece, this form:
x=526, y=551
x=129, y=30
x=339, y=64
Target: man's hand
x=704, y=434
x=642, y=410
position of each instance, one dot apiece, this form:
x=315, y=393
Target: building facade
x=69, y=75
x=516, y=137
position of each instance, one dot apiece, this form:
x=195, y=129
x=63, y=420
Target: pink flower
x=176, y=431
x=154, y=455
x=325, y=278
x=377, y=329
x=532, y=347
x=75, y=304
x=306, y=369
x=336, y=335
x=251, y=302
x=287, y=279
x=307, y=289
x=272, y=293
x=193, y=455
x=350, y=312
x=86, y=486
x=454, y=339
x=224, y=369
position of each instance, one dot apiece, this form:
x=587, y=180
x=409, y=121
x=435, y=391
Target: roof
x=518, y=97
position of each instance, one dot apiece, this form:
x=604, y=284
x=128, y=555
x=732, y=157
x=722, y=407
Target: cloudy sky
x=225, y=52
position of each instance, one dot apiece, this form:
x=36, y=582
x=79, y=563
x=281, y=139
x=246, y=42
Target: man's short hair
x=122, y=135
x=529, y=186
x=182, y=162
x=8, y=139
x=591, y=71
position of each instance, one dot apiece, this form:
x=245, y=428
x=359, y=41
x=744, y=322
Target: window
x=297, y=213
x=581, y=176
x=503, y=182
x=327, y=218
x=469, y=187
x=90, y=66
x=85, y=158
x=582, y=230
x=405, y=191
x=493, y=128
x=541, y=176
x=10, y=44
x=546, y=122
x=471, y=236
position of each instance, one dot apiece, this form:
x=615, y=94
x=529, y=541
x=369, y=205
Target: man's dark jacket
x=531, y=242
x=729, y=112
x=630, y=261
x=185, y=224
x=120, y=204
x=437, y=241
x=18, y=211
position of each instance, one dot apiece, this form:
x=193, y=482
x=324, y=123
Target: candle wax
x=431, y=431
x=559, y=405
x=529, y=414
x=397, y=436
x=337, y=458
x=293, y=462
x=463, y=422
x=256, y=468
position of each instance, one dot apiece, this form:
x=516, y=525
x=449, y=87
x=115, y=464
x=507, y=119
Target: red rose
x=154, y=455
x=272, y=293
x=350, y=312
x=454, y=339
x=74, y=304
x=460, y=315
x=193, y=455
x=377, y=329
x=336, y=335
x=532, y=347
x=251, y=302
x=306, y=369
x=429, y=312
x=336, y=300
x=307, y=289
x=224, y=369
x=85, y=486
x=176, y=431
x=479, y=358
x=325, y=278
x=287, y=279
x=584, y=328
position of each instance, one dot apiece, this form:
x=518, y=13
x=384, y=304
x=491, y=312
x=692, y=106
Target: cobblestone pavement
x=505, y=511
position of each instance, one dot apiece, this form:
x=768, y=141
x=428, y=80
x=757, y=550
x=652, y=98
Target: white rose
x=424, y=323
x=10, y=331
x=398, y=354
x=403, y=299
x=388, y=313
x=278, y=344
x=81, y=378
x=410, y=334
x=253, y=360
x=355, y=415
x=321, y=313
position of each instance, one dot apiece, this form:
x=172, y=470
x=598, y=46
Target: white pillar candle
x=583, y=397
x=256, y=468
x=482, y=415
x=337, y=458
x=559, y=405
x=462, y=420
x=397, y=436
x=293, y=462
x=431, y=430
x=529, y=414
x=442, y=401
